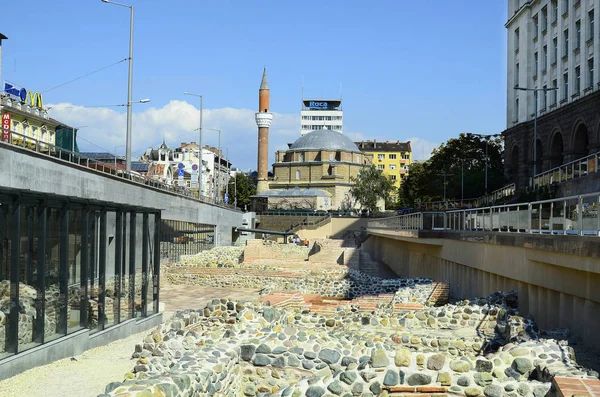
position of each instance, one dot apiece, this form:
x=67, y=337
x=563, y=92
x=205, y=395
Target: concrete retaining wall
x=24, y=169
x=557, y=286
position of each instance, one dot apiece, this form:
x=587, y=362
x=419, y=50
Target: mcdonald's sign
x=34, y=99
x=6, y=127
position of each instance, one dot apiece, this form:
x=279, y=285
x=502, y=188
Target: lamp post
x=487, y=138
x=218, y=192
x=535, y=101
x=228, y=172
x=462, y=177
x=129, y=84
x=200, y=192
x=445, y=175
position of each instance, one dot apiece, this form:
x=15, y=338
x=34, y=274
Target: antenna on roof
x=303, y=87
x=340, y=91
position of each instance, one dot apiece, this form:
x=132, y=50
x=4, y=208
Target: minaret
x=263, y=121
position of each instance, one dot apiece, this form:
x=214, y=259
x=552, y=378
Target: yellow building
x=25, y=121
x=392, y=158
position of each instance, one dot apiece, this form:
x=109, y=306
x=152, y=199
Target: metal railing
x=63, y=154
x=573, y=215
x=574, y=169
x=504, y=193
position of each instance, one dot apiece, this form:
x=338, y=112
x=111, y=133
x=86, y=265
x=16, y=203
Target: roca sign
x=313, y=104
x=28, y=97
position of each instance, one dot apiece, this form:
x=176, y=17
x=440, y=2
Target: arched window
x=297, y=174
x=300, y=156
x=331, y=156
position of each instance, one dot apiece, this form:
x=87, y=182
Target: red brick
x=431, y=389
x=400, y=389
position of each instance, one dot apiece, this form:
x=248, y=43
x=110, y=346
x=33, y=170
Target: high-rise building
x=321, y=114
x=553, y=55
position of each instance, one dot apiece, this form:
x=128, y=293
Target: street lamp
x=535, y=100
x=462, y=177
x=445, y=175
x=200, y=192
x=487, y=138
x=218, y=192
x=129, y=84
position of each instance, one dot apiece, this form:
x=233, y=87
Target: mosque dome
x=324, y=140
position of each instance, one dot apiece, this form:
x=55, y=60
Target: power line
x=84, y=76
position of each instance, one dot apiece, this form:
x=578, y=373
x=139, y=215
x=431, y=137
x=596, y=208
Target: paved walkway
x=88, y=374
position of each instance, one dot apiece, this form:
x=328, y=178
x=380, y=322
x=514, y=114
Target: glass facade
x=68, y=265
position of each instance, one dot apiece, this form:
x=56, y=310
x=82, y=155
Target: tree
x=370, y=186
x=243, y=186
x=424, y=182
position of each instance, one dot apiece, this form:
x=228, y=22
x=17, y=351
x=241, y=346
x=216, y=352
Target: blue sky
x=418, y=70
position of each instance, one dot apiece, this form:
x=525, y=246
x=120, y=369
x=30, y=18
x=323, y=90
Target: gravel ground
x=86, y=376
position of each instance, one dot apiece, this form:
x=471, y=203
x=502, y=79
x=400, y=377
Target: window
x=405, y=156
x=516, y=40
x=536, y=27
x=300, y=156
x=331, y=156
x=34, y=132
x=535, y=63
x=590, y=72
x=554, y=10
x=381, y=167
x=544, y=19
x=44, y=133
x=555, y=91
x=392, y=157
x=565, y=86
x=297, y=174
x=565, y=6
x=517, y=75
x=392, y=167
x=555, y=46
x=381, y=157
x=517, y=109
x=544, y=97
x=566, y=40
x=393, y=177
x=545, y=55
x=577, y=80
x=591, y=25
x=578, y=32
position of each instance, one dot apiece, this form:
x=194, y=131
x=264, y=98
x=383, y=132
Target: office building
x=321, y=114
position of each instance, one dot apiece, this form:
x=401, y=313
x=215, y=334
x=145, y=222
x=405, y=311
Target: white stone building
x=164, y=165
x=551, y=44
x=321, y=114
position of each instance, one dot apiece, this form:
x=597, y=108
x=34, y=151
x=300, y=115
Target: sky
x=422, y=71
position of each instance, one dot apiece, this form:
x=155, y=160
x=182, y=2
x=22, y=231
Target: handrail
x=564, y=172
x=572, y=215
x=51, y=150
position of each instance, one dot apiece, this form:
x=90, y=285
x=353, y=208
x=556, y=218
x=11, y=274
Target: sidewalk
x=88, y=374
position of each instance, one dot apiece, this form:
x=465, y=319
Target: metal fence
x=48, y=149
x=574, y=169
x=573, y=215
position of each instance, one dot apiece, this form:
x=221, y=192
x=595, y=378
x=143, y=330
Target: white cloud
x=421, y=148
x=176, y=122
